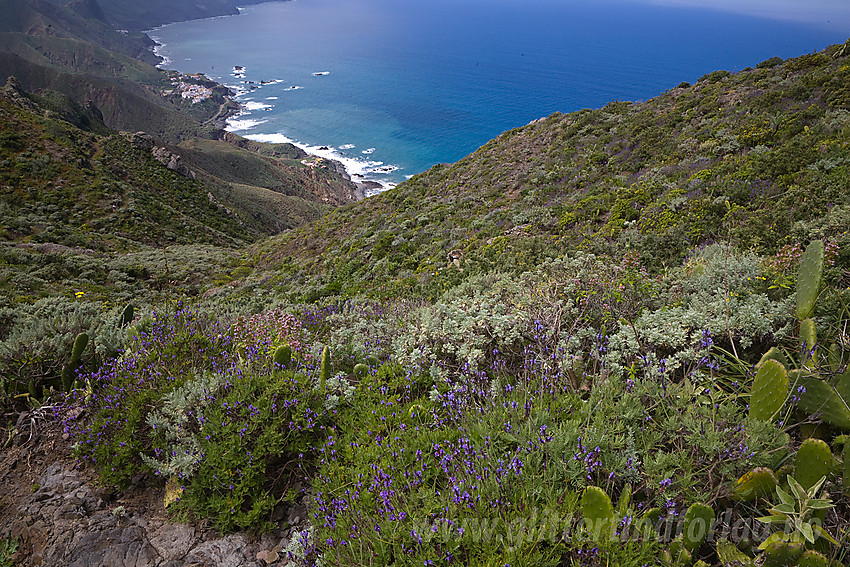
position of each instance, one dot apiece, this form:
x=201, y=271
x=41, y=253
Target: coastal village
x=189, y=86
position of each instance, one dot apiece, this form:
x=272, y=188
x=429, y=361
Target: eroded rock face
x=172, y=161
x=67, y=522
x=142, y=140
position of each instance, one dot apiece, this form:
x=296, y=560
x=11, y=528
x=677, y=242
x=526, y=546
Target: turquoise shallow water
x=392, y=87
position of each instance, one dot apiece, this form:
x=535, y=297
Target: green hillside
x=758, y=157
x=94, y=189
x=45, y=19
x=67, y=179
x=610, y=337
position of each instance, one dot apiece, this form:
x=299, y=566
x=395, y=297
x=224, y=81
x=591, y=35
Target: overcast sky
x=834, y=14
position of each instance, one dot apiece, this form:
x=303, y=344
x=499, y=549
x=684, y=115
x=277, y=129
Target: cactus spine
x=809, y=279
x=325, y=371
x=814, y=459
x=770, y=389
x=283, y=356
x=598, y=513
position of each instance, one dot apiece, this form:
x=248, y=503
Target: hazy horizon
x=832, y=14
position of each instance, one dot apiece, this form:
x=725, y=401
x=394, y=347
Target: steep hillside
x=95, y=188
x=70, y=186
x=760, y=157
x=79, y=20
x=645, y=304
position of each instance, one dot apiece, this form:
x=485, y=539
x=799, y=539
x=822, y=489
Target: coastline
x=356, y=169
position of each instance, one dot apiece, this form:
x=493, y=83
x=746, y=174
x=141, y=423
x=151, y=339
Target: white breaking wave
x=357, y=169
x=255, y=105
x=236, y=124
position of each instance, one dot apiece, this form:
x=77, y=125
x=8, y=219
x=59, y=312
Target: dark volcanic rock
x=67, y=522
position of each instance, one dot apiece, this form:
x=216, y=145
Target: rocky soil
x=62, y=517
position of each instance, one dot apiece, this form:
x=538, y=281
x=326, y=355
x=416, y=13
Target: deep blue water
x=410, y=84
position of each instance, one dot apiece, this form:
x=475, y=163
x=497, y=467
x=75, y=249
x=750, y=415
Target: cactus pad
x=80, y=344
x=758, y=483
x=782, y=554
x=127, y=315
x=770, y=389
x=809, y=278
x=808, y=341
x=677, y=553
x=822, y=399
x=698, y=521
x=814, y=459
x=68, y=375
x=773, y=354
x=812, y=558
x=325, y=372
x=361, y=370
x=845, y=477
x=283, y=356
x=598, y=513
x=731, y=556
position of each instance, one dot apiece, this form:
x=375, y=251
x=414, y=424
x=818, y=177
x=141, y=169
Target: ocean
x=392, y=87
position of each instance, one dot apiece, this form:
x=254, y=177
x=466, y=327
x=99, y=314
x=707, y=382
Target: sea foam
x=237, y=124
x=357, y=169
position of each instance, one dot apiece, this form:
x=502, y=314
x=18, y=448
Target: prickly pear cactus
x=835, y=357
x=677, y=553
x=68, y=375
x=69, y=371
x=127, y=316
x=698, y=521
x=845, y=477
x=814, y=459
x=598, y=513
x=808, y=341
x=758, y=483
x=820, y=398
x=841, y=383
x=646, y=524
x=812, y=558
x=361, y=370
x=731, y=556
x=773, y=354
x=325, y=371
x=283, y=356
x=782, y=554
x=770, y=389
x=80, y=344
x=809, y=279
